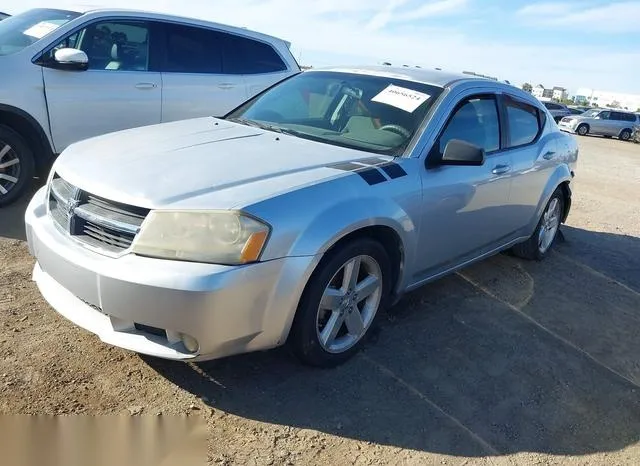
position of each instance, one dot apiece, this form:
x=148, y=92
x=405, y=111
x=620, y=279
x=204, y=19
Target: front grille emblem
x=72, y=203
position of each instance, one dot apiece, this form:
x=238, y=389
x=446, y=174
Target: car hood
x=198, y=163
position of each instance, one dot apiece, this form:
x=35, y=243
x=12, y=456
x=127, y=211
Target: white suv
x=68, y=76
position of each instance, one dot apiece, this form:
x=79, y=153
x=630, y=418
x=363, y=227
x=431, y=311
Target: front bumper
x=568, y=127
x=145, y=304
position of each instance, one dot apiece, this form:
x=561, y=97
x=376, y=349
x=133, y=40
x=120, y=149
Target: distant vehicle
x=299, y=216
x=558, y=111
x=602, y=122
x=635, y=137
x=68, y=76
x=576, y=111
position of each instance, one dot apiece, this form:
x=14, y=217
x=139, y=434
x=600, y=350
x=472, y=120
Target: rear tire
x=17, y=166
x=539, y=244
x=334, y=318
x=625, y=135
x=583, y=129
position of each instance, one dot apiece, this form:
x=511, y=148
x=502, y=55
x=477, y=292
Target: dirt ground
x=506, y=362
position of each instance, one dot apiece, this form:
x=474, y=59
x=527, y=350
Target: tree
x=527, y=87
x=614, y=104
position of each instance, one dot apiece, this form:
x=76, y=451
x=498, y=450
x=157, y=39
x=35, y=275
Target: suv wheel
x=583, y=129
x=625, y=135
x=16, y=165
x=340, y=304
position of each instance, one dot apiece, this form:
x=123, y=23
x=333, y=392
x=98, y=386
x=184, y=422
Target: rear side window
x=626, y=116
x=524, y=121
x=247, y=56
x=475, y=121
x=192, y=50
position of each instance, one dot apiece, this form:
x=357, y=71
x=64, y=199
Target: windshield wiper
x=275, y=128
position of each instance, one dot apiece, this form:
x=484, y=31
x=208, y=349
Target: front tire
x=16, y=166
x=539, y=244
x=583, y=129
x=341, y=303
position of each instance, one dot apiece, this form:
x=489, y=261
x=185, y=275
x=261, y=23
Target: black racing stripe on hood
x=393, y=170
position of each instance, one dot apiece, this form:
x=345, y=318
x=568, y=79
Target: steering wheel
x=396, y=129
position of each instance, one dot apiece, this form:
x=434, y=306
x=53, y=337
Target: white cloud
x=545, y=9
x=335, y=32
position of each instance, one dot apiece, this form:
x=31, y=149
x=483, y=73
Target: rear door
x=534, y=156
x=194, y=82
x=259, y=64
x=117, y=92
x=600, y=124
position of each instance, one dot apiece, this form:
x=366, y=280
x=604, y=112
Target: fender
x=346, y=217
x=43, y=152
x=561, y=175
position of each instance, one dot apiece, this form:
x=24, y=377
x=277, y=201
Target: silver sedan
x=299, y=216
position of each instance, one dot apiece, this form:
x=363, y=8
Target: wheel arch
x=31, y=131
x=630, y=130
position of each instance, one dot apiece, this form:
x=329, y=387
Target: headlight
x=217, y=237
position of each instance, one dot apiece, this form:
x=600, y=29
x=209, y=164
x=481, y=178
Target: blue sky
x=573, y=43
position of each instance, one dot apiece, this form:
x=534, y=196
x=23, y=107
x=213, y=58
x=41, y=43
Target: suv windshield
x=25, y=29
x=372, y=113
x=591, y=113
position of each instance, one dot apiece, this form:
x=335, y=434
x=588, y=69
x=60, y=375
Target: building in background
x=558, y=93
x=597, y=98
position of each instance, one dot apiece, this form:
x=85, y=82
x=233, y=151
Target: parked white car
x=68, y=76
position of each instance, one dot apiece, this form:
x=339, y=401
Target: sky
x=572, y=43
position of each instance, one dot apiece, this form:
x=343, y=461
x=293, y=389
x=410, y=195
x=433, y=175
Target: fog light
x=190, y=343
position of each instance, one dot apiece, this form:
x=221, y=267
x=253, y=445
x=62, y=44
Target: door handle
x=226, y=85
x=501, y=169
x=549, y=155
x=146, y=86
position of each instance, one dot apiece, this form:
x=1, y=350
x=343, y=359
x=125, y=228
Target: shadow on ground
x=12, y=216
x=507, y=356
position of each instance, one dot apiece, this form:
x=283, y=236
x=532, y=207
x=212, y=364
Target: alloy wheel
x=549, y=226
x=349, y=304
x=9, y=168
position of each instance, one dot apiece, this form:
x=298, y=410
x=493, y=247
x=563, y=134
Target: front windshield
x=373, y=113
x=591, y=113
x=25, y=29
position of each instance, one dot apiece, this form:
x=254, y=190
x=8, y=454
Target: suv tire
x=17, y=166
x=583, y=129
x=625, y=135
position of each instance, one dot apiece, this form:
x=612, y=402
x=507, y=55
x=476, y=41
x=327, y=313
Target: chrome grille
x=98, y=222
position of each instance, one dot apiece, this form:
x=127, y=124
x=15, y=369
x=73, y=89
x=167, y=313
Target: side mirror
x=459, y=152
x=70, y=59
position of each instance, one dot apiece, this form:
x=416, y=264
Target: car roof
x=422, y=75
x=170, y=17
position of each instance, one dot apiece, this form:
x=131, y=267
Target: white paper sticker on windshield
x=401, y=97
x=41, y=29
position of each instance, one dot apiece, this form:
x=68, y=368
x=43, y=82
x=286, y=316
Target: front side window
x=524, y=122
x=604, y=115
x=20, y=31
x=112, y=45
x=475, y=121
x=193, y=50
x=374, y=113
x=248, y=56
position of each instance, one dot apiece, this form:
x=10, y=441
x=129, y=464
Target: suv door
x=117, y=91
x=194, y=83
x=257, y=62
x=464, y=207
x=600, y=123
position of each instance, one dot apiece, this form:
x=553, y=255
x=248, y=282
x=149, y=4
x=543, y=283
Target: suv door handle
x=549, y=155
x=226, y=85
x=146, y=86
x=501, y=169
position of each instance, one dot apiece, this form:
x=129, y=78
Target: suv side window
x=475, y=120
x=524, y=122
x=192, y=50
x=112, y=45
x=604, y=115
x=248, y=56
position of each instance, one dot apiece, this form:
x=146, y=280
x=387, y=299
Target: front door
x=464, y=207
x=117, y=91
